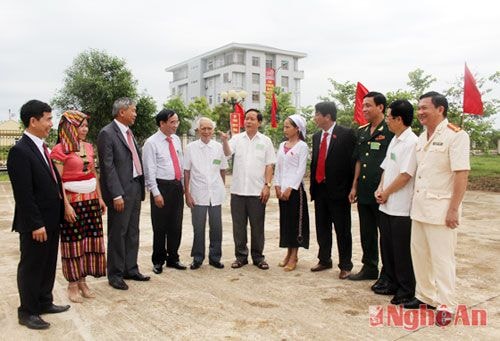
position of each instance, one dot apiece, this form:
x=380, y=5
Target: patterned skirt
x=82, y=242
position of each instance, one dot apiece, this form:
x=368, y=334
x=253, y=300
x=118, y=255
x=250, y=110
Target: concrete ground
x=249, y=303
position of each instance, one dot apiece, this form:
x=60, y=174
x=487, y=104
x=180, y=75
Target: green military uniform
x=370, y=152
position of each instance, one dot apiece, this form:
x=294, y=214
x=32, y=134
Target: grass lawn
x=485, y=173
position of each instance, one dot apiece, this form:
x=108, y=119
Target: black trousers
x=368, y=231
x=167, y=222
x=36, y=271
x=395, y=236
x=338, y=212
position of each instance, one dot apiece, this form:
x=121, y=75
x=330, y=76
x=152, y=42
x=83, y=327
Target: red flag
x=361, y=92
x=472, y=97
x=241, y=112
x=274, y=108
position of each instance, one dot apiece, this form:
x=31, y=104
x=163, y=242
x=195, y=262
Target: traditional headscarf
x=300, y=122
x=68, y=130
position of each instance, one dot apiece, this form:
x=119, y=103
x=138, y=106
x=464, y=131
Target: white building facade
x=237, y=67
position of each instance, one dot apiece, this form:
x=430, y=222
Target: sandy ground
x=249, y=303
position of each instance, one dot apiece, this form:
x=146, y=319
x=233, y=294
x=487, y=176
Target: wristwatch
x=268, y=184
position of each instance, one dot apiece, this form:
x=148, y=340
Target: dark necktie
x=47, y=155
x=320, y=169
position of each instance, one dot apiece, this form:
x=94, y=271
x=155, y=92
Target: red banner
x=270, y=82
x=473, y=103
x=234, y=122
x=361, y=91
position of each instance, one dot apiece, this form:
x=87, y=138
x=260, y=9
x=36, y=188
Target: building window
x=225, y=77
x=255, y=96
x=269, y=64
x=284, y=64
x=255, y=78
x=284, y=81
x=255, y=61
x=228, y=58
x=240, y=57
x=295, y=64
x=210, y=65
x=210, y=99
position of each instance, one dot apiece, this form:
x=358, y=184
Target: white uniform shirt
x=291, y=167
x=250, y=160
x=157, y=162
x=445, y=152
x=400, y=158
x=204, y=162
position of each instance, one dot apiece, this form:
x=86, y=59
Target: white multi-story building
x=237, y=67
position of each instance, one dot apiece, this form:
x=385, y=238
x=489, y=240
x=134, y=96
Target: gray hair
x=203, y=118
x=122, y=103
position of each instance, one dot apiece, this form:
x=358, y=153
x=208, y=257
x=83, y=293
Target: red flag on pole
x=274, y=108
x=472, y=97
x=361, y=91
x=241, y=112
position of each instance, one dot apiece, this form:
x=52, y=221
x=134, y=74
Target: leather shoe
x=32, y=321
x=138, y=277
x=363, y=275
x=55, y=309
x=217, y=265
x=118, y=284
x=379, y=283
x=344, y=274
x=321, y=267
x=386, y=290
x=195, y=265
x=397, y=300
x=158, y=268
x=415, y=303
x=177, y=265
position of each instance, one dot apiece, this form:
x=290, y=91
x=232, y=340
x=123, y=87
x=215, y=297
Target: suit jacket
x=37, y=194
x=339, y=164
x=115, y=164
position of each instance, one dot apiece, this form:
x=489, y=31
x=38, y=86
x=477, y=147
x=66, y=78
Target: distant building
x=10, y=132
x=238, y=67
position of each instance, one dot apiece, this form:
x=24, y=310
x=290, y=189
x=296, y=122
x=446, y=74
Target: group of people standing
x=410, y=188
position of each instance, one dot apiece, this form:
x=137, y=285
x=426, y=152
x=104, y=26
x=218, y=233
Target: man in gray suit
x=122, y=186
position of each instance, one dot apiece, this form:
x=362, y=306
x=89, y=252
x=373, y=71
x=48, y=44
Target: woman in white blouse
x=290, y=169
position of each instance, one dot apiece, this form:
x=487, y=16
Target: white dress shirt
x=291, y=167
x=124, y=129
x=251, y=156
x=329, y=137
x=204, y=162
x=400, y=158
x=157, y=162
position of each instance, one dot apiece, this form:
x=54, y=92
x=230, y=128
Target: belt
x=138, y=178
x=168, y=182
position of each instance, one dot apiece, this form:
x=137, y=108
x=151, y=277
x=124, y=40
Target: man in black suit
x=122, y=186
x=37, y=191
x=332, y=171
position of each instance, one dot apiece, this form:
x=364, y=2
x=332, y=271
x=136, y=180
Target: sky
x=374, y=42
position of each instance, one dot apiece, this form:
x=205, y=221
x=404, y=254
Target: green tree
x=419, y=82
x=285, y=109
x=199, y=107
x=220, y=114
x=185, y=117
x=343, y=94
x=146, y=126
x=91, y=84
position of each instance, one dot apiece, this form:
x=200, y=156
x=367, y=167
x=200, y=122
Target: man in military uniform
x=440, y=182
x=373, y=140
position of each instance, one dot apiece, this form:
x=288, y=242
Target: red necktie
x=175, y=159
x=320, y=169
x=135, y=156
x=46, y=152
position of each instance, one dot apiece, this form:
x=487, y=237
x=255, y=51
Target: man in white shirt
x=204, y=176
x=394, y=194
x=162, y=158
x=254, y=157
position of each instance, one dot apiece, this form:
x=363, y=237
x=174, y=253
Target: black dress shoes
x=158, y=268
x=215, y=264
x=195, y=265
x=379, y=284
x=385, y=290
x=397, y=300
x=55, y=309
x=415, y=303
x=363, y=275
x=177, y=265
x=321, y=267
x=32, y=321
x=118, y=284
x=138, y=277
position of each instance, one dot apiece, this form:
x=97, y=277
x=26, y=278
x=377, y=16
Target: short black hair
x=403, y=109
x=378, y=98
x=33, y=108
x=326, y=109
x=438, y=100
x=164, y=116
x=259, y=114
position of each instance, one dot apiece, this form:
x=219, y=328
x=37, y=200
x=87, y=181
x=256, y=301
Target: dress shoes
x=379, y=283
x=415, y=303
x=54, y=309
x=158, y=268
x=138, y=277
x=32, y=321
x=397, y=300
x=321, y=267
x=344, y=274
x=217, y=265
x=118, y=284
x=177, y=265
x=386, y=290
x=195, y=265
x=363, y=275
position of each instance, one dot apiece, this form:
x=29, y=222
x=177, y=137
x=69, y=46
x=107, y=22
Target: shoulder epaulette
x=364, y=126
x=453, y=127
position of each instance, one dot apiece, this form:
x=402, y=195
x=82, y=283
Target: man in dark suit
x=38, y=213
x=332, y=171
x=122, y=186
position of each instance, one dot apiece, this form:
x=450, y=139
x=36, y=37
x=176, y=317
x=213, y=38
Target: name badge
x=216, y=162
x=375, y=145
x=259, y=146
x=393, y=157
x=437, y=143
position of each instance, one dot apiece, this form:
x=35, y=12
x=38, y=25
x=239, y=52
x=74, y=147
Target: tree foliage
x=185, y=117
x=146, y=125
x=285, y=109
